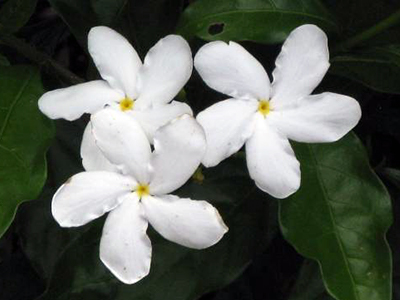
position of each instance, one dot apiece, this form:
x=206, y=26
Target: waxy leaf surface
x=24, y=138
x=339, y=217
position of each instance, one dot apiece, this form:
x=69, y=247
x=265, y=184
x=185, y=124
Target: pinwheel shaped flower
x=140, y=195
x=144, y=91
x=264, y=116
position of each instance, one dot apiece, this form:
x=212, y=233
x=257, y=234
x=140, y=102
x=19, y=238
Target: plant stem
x=390, y=21
x=39, y=58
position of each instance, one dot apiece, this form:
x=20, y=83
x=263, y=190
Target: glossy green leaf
x=176, y=272
x=264, y=21
x=15, y=13
x=377, y=68
x=24, y=137
x=339, y=217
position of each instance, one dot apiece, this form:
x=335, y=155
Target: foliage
x=327, y=241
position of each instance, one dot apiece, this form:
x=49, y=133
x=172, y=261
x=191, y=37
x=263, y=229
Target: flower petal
x=72, y=102
x=88, y=195
x=319, y=118
x=227, y=124
x=153, y=118
x=271, y=161
x=125, y=248
x=92, y=157
x=123, y=142
x=115, y=58
x=178, y=149
x=231, y=70
x=191, y=223
x=301, y=65
x=166, y=69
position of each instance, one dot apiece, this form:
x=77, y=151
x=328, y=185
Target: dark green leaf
x=4, y=61
x=80, y=16
x=377, y=68
x=339, y=217
x=24, y=137
x=143, y=22
x=264, y=21
x=309, y=285
x=15, y=13
x=356, y=16
x=393, y=175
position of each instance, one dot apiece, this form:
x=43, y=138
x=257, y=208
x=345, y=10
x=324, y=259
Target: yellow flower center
x=142, y=190
x=264, y=107
x=126, y=104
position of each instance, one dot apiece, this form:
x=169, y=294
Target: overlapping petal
x=88, y=195
x=123, y=142
x=72, y=102
x=231, y=70
x=319, y=118
x=301, y=65
x=125, y=247
x=115, y=58
x=166, y=69
x=271, y=161
x=153, y=118
x=92, y=157
x=227, y=124
x=191, y=223
x=178, y=150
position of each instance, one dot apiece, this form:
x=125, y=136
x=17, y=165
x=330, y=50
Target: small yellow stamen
x=126, y=104
x=264, y=107
x=198, y=176
x=142, y=190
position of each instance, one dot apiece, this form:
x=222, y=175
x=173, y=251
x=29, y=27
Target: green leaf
x=4, y=61
x=339, y=217
x=309, y=285
x=356, y=16
x=264, y=21
x=177, y=272
x=143, y=22
x=393, y=175
x=80, y=16
x=377, y=68
x=15, y=13
x=24, y=138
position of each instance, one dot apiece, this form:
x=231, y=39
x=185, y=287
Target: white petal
x=271, y=161
x=300, y=66
x=319, y=118
x=72, y=102
x=178, y=149
x=227, y=124
x=166, y=69
x=191, y=223
x=92, y=157
x=231, y=70
x=123, y=142
x=117, y=61
x=125, y=247
x=153, y=118
x=88, y=195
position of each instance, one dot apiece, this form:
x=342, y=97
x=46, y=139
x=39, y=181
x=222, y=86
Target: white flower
x=264, y=116
x=143, y=90
x=140, y=195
